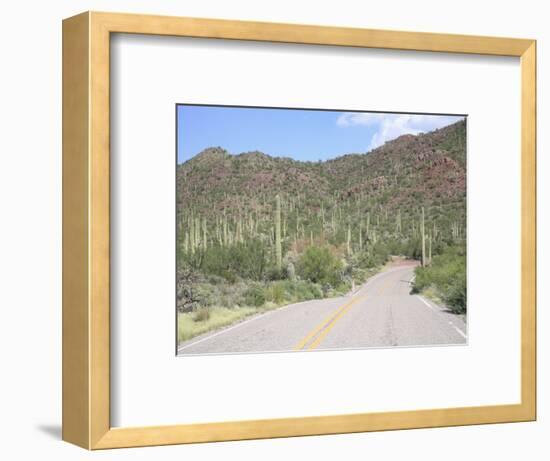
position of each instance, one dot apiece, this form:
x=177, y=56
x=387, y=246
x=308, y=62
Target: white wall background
x=30, y=231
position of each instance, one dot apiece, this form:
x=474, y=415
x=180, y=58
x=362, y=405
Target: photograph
x=318, y=229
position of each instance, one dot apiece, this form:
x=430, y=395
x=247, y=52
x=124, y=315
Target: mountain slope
x=321, y=200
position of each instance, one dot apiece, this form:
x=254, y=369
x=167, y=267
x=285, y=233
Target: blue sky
x=297, y=133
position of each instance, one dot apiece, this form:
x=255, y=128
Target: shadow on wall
x=51, y=430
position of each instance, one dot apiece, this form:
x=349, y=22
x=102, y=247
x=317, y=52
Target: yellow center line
x=329, y=327
x=325, y=323
x=322, y=330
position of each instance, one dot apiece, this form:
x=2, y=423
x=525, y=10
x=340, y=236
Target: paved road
x=382, y=313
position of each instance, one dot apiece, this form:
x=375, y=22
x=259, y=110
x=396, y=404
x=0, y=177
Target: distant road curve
x=382, y=313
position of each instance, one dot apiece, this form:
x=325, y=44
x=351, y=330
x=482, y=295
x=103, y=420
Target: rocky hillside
x=232, y=197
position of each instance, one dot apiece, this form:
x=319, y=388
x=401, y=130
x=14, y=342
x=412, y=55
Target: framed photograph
x=276, y=230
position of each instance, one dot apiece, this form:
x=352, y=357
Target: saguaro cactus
x=250, y=224
x=423, y=236
x=192, y=234
x=204, y=234
x=239, y=230
x=198, y=232
x=278, y=246
x=398, y=222
x=225, y=236
x=430, y=248
x=455, y=230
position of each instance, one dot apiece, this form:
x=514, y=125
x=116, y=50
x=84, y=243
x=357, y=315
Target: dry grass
x=191, y=324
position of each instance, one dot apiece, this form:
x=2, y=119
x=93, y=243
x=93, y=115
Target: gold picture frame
x=86, y=232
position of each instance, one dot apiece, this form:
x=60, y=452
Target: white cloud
x=391, y=126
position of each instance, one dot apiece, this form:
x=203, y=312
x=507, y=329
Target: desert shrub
x=277, y=293
x=247, y=260
x=316, y=291
x=304, y=291
x=295, y=291
x=318, y=265
x=447, y=274
x=202, y=314
x=232, y=295
x=215, y=279
x=255, y=296
x=360, y=275
x=229, y=275
x=455, y=296
x=207, y=294
x=413, y=248
x=187, y=295
x=273, y=273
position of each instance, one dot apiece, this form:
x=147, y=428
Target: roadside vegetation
x=191, y=324
x=210, y=302
x=444, y=280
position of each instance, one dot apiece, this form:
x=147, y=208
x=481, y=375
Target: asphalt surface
x=382, y=313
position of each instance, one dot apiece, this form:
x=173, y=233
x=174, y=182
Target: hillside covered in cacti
x=252, y=220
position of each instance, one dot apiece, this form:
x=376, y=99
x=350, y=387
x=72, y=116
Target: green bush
x=254, y=296
x=277, y=293
x=316, y=291
x=247, y=260
x=231, y=295
x=447, y=274
x=305, y=291
x=229, y=275
x=456, y=294
x=318, y=265
x=202, y=314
